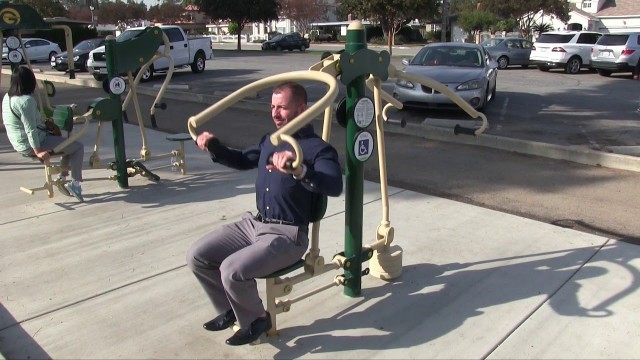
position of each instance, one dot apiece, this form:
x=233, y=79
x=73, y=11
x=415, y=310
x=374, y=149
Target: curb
x=551, y=151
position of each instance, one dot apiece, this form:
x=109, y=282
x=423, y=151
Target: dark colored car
x=290, y=41
x=80, y=55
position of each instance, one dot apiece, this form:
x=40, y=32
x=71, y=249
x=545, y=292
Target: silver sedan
x=509, y=51
x=466, y=69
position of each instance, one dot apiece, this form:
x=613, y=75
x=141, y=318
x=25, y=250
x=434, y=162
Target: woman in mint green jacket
x=27, y=134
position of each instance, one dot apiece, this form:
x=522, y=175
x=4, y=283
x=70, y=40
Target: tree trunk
x=390, y=36
x=239, y=47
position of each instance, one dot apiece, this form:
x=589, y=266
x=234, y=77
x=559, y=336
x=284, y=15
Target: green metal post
x=356, y=40
x=116, y=124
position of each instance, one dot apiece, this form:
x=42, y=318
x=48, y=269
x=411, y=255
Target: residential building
x=606, y=16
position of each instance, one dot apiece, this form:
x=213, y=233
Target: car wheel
x=146, y=76
x=485, y=101
x=543, y=68
x=573, y=65
x=602, y=72
x=302, y=48
x=198, y=63
x=503, y=62
x=85, y=65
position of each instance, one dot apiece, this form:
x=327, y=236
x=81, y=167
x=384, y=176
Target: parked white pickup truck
x=185, y=52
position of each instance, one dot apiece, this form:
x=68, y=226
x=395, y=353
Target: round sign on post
x=363, y=145
x=14, y=56
x=363, y=112
x=117, y=85
x=12, y=42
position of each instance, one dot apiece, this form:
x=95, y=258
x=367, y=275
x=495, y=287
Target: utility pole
x=446, y=6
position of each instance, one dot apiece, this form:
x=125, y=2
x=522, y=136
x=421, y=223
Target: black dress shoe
x=221, y=322
x=245, y=336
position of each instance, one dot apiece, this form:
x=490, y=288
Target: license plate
x=53, y=63
x=607, y=54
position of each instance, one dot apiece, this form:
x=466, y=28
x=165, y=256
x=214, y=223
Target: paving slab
x=107, y=278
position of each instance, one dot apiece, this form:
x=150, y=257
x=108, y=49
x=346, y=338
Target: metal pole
x=116, y=124
x=356, y=40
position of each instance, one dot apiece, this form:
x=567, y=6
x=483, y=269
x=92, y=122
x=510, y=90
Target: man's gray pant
x=227, y=261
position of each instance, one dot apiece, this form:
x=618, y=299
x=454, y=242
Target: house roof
x=620, y=8
x=583, y=13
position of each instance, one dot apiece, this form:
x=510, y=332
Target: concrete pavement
x=106, y=278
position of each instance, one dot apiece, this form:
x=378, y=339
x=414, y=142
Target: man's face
x=284, y=108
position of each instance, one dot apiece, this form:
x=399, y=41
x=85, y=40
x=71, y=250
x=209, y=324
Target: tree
x=303, y=13
x=527, y=12
x=120, y=13
x=46, y=8
x=241, y=12
x=167, y=13
x=390, y=14
x=473, y=22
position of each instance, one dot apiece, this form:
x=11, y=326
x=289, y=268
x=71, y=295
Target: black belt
x=264, y=220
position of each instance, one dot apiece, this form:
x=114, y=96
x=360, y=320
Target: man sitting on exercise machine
x=227, y=261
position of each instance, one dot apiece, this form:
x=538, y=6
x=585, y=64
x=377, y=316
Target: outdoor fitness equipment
x=130, y=55
x=132, y=95
x=352, y=66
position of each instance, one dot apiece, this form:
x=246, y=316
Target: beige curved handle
x=75, y=134
x=296, y=148
x=429, y=82
x=251, y=89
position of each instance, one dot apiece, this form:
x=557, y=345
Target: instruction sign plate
x=364, y=112
x=363, y=145
x=12, y=42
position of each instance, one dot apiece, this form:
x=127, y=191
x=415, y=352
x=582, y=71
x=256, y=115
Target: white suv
x=619, y=52
x=570, y=50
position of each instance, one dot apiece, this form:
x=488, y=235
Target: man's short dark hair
x=298, y=91
x=23, y=82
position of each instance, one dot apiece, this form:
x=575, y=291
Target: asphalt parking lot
x=583, y=110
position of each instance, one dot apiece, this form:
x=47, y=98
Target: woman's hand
x=43, y=155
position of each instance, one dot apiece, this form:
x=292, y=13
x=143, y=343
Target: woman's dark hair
x=23, y=82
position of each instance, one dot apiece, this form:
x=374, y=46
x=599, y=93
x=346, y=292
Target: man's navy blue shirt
x=278, y=195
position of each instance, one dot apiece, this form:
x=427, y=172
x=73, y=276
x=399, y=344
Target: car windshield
x=277, y=38
x=555, y=38
x=448, y=56
x=492, y=42
x=88, y=45
x=613, y=39
x=128, y=35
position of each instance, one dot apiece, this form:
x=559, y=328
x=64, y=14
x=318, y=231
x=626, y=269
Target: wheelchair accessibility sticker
x=117, y=85
x=363, y=146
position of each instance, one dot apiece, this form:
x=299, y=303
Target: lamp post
x=91, y=8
